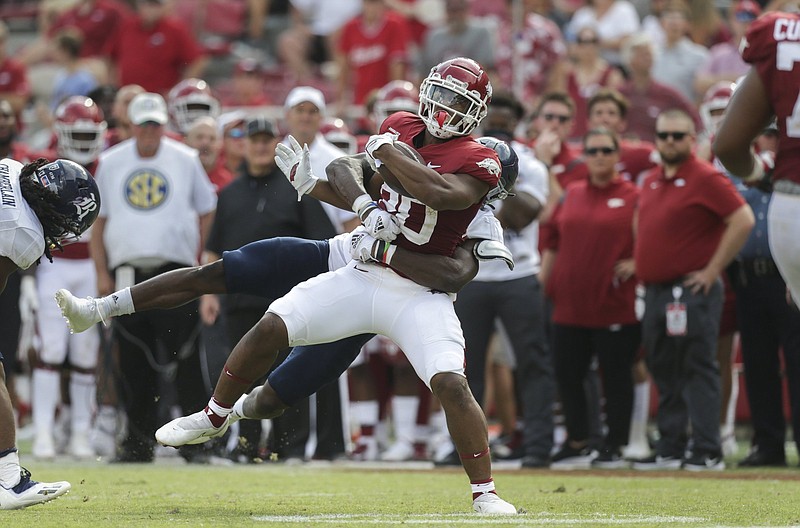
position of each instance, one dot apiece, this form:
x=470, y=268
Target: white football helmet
x=80, y=129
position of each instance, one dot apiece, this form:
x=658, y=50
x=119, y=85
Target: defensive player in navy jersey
x=43, y=205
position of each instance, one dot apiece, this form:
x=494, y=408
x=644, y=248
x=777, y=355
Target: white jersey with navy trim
x=21, y=233
x=523, y=244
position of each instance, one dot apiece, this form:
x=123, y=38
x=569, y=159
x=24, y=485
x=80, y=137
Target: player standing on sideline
x=770, y=46
x=42, y=206
x=453, y=101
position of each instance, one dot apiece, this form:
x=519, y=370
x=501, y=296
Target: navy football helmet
x=510, y=168
x=79, y=198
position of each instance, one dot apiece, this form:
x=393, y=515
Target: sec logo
x=146, y=189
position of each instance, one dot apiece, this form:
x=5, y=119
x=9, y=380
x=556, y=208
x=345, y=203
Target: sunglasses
x=561, y=118
x=594, y=151
x=588, y=41
x=235, y=133
x=677, y=136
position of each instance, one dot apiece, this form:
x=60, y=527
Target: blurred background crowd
x=236, y=76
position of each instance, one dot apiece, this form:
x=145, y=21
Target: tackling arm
x=441, y=192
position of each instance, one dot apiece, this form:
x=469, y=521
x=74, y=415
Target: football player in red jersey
x=770, y=89
x=80, y=129
x=369, y=296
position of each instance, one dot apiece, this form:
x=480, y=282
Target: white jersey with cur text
x=21, y=233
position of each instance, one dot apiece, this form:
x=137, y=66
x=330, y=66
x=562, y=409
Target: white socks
x=404, y=417
x=82, y=394
x=9, y=470
x=45, y=398
x=118, y=303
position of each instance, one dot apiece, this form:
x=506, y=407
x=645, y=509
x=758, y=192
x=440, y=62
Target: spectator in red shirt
x=14, y=86
x=536, y=57
x=590, y=251
x=647, y=97
x=609, y=109
x=552, y=124
x=155, y=50
x=372, y=50
x=203, y=135
x=96, y=20
x=122, y=129
x=692, y=222
x=246, y=87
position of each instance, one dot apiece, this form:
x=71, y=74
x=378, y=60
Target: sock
x=83, y=395
x=118, y=303
x=729, y=426
x=217, y=412
x=404, y=417
x=46, y=395
x=365, y=413
x=9, y=468
x=640, y=414
x=238, y=407
x=480, y=487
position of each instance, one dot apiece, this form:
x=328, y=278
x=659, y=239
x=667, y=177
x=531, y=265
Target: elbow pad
x=492, y=249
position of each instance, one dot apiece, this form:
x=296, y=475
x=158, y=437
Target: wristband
x=361, y=202
x=385, y=252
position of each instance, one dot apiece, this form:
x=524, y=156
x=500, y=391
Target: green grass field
x=170, y=493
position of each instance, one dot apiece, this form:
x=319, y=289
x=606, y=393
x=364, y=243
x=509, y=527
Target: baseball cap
x=148, y=107
x=746, y=10
x=259, y=125
x=305, y=94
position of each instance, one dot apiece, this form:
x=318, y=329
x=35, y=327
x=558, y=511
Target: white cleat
x=492, y=504
x=400, y=451
x=193, y=429
x=29, y=492
x=79, y=446
x=80, y=314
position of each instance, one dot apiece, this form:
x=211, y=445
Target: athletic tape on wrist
x=361, y=202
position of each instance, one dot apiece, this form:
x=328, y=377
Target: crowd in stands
x=235, y=76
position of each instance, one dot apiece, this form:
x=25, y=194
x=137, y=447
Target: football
x=389, y=178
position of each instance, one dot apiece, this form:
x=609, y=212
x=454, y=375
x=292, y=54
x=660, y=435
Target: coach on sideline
x=692, y=222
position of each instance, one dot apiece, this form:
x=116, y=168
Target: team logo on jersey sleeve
x=491, y=166
x=146, y=189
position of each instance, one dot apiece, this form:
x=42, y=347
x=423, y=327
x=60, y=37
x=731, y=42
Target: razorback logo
x=491, y=166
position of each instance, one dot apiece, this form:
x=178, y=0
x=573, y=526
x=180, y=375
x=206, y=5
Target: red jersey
x=14, y=78
x=370, y=51
x=769, y=47
x=592, y=229
x=96, y=23
x=636, y=158
x=426, y=230
x=540, y=45
x=681, y=220
x=153, y=57
x=580, y=96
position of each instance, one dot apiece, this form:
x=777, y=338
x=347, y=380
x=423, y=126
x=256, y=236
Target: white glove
x=374, y=143
x=366, y=248
x=28, y=299
x=294, y=163
x=380, y=224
